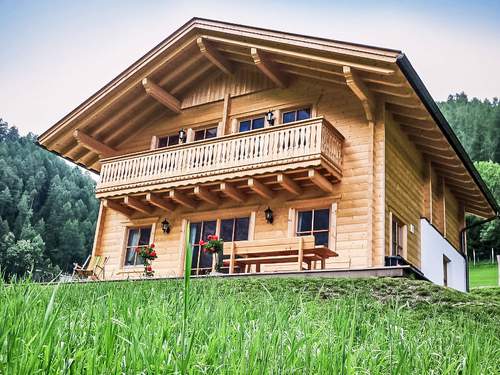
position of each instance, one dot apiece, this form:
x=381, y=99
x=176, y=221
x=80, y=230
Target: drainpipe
x=463, y=248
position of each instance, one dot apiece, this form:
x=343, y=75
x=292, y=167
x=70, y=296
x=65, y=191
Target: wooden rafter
x=268, y=67
x=232, y=192
x=211, y=53
x=261, y=189
x=361, y=91
x=320, y=181
x=415, y=123
x=182, y=199
x=116, y=206
x=205, y=195
x=163, y=97
x=157, y=201
x=137, y=205
x=93, y=144
x=288, y=184
x=417, y=114
x=303, y=56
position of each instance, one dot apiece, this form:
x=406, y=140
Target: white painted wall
x=434, y=246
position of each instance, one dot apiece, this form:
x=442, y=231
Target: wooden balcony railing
x=305, y=143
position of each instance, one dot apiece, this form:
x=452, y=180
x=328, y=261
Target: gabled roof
x=203, y=46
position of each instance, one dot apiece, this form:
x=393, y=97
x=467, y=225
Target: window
x=446, y=263
x=230, y=230
x=234, y=229
x=397, y=237
x=252, y=124
x=136, y=237
x=168, y=140
x=296, y=115
x=314, y=222
x=206, y=133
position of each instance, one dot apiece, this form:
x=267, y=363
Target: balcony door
x=201, y=263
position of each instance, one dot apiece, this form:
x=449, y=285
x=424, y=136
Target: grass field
x=250, y=326
x=483, y=274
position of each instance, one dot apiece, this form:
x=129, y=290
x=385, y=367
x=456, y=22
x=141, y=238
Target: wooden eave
x=125, y=105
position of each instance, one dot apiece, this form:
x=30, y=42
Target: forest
x=48, y=209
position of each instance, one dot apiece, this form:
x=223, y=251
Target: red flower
x=202, y=243
x=153, y=254
x=137, y=249
x=215, y=238
x=149, y=268
x=152, y=246
x=209, y=237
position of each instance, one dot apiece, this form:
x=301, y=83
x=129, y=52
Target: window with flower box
x=235, y=229
x=139, y=236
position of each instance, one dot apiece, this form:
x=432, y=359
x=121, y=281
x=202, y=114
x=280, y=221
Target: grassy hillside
x=251, y=326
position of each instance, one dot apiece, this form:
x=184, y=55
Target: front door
x=202, y=262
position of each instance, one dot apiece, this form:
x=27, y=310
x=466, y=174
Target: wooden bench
x=298, y=250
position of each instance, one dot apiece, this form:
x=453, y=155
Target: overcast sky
x=55, y=54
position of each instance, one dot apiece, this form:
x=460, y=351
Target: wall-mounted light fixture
x=270, y=117
x=165, y=226
x=269, y=214
x=182, y=136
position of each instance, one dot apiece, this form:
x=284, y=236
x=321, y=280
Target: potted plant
x=214, y=246
x=148, y=254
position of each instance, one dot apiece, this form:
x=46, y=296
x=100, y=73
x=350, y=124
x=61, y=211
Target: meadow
x=483, y=274
x=249, y=326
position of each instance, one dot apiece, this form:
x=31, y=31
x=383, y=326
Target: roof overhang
x=97, y=127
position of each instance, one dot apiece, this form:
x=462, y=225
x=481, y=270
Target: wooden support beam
x=260, y=188
x=416, y=114
x=182, y=199
x=214, y=56
x=93, y=144
x=157, y=201
x=205, y=195
x=116, y=206
x=320, y=181
x=440, y=146
x=232, y=192
x=288, y=184
x=268, y=67
x=156, y=92
x=137, y=205
x=361, y=91
x=415, y=123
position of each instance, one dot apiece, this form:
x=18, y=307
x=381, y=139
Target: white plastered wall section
x=434, y=247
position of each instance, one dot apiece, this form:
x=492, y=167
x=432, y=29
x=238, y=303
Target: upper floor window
x=252, y=124
x=168, y=140
x=136, y=237
x=314, y=222
x=397, y=236
x=296, y=115
x=205, y=133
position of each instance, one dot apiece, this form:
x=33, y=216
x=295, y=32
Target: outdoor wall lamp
x=182, y=136
x=269, y=214
x=270, y=117
x=165, y=226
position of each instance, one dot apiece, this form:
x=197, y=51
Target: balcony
x=312, y=145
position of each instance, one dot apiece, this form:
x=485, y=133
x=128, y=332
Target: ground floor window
x=139, y=236
x=315, y=222
x=235, y=229
x=446, y=263
x=397, y=236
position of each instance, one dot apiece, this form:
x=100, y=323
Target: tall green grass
x=247, y=326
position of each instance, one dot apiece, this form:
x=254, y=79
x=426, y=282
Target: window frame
x=158, y=138
x=127, y=247
x=312, y=231
x=251, y=119
x=295, y=109
x=204, y=130
x=402, y=236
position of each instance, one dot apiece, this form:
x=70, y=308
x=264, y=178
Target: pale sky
x=55, y=54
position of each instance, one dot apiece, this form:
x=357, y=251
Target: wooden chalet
x=340, y=142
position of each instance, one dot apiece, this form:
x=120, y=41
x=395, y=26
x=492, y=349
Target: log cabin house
x=264, y=137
